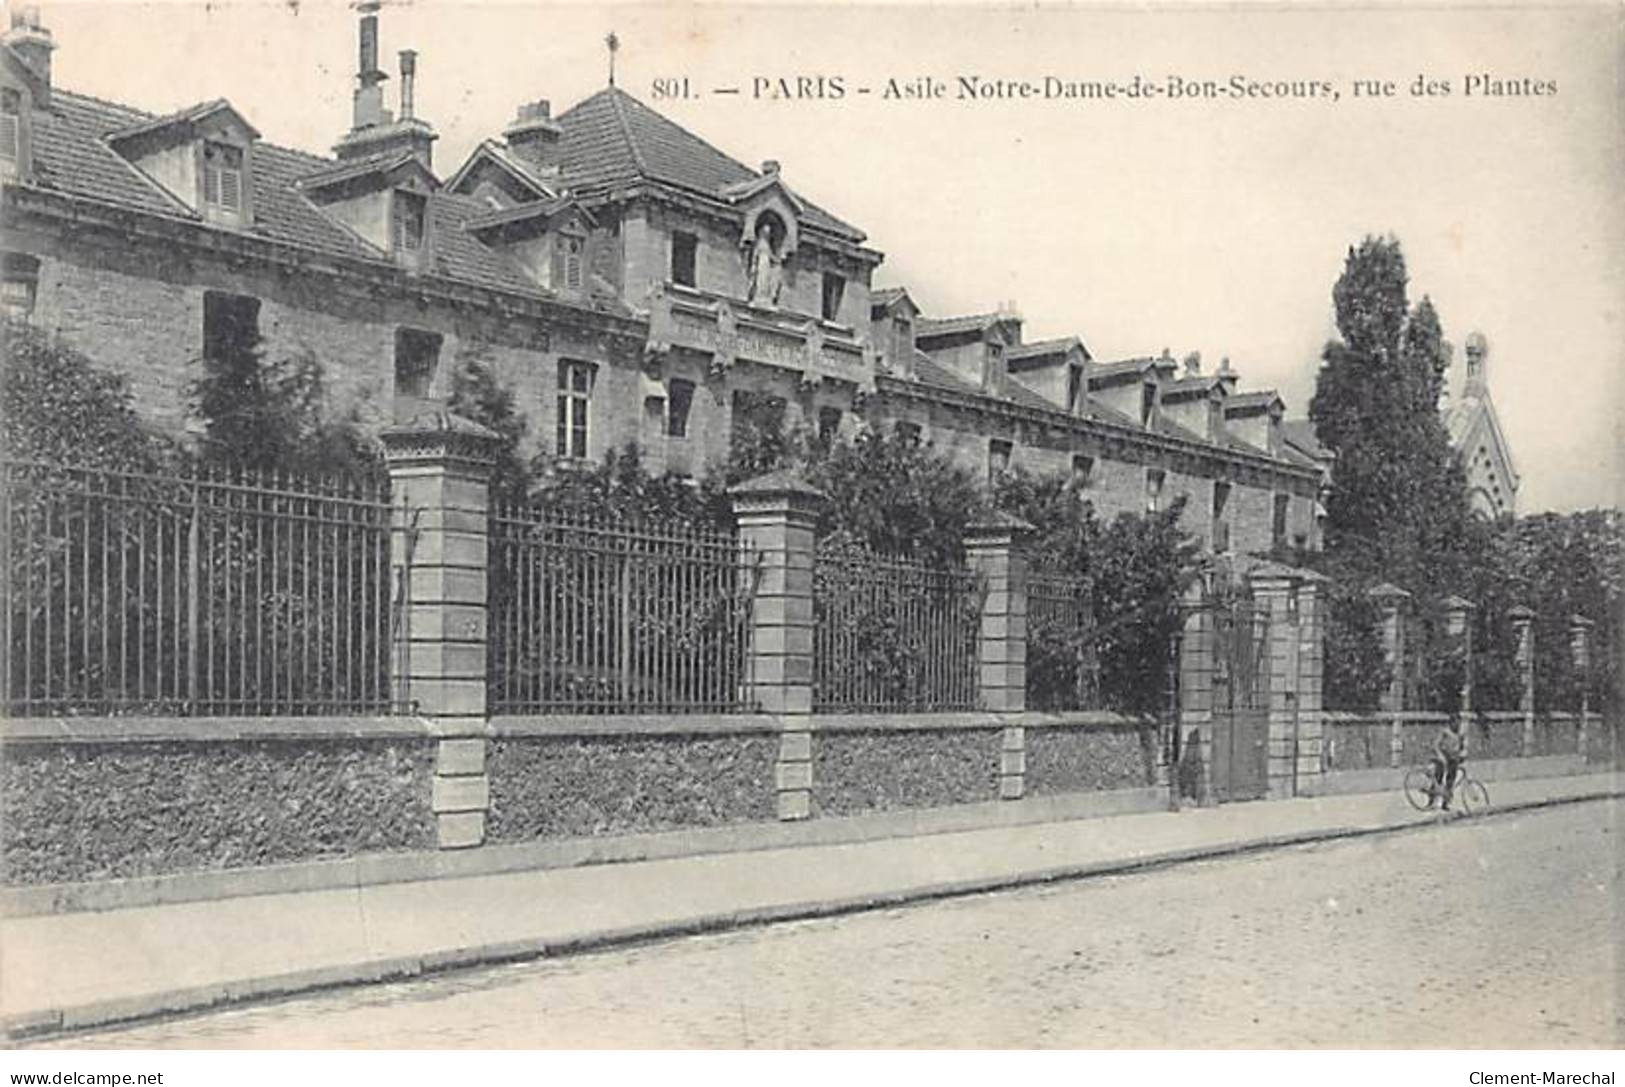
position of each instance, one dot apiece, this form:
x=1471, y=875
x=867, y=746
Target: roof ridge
x=615, y=96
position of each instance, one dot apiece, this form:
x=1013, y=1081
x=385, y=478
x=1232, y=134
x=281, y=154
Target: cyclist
x=1448, y=752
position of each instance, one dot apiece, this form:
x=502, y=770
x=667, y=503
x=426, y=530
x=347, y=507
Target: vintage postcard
x=823, y=527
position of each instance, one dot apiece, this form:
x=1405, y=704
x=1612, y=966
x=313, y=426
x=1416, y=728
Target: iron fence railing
x=1063, y=660
x=589, y=616
x=890, y=634
x=192, y=594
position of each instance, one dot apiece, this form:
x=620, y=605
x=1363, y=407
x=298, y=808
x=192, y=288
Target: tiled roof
x=611, y=138
x=1191, y=386
x=72, y=156
x=1018, y=393
x=1238, y=403
x=1105, y=371
x=1042, y=348
x=189, y=115
x=947, y=326
x=1300, y=434
x=927, y=371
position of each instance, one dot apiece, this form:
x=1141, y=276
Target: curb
x=125, y=1010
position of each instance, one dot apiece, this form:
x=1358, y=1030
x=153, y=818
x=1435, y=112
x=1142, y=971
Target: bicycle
x=1422, y=790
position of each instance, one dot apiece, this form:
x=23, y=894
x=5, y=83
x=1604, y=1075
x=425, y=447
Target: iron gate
x=1241, y=698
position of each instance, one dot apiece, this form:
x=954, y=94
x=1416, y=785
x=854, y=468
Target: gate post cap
x=1387, y=591
x=1521, y=613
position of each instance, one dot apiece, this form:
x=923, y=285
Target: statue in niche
x=765, y=263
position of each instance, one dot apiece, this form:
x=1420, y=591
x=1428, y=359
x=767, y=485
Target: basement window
x=1083, y=471
x=829, y=424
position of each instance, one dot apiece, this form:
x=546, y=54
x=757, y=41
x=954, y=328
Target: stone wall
x=1092, y=758
x=579, y=786
x=105, y=807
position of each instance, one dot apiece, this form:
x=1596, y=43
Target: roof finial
x=613, y=44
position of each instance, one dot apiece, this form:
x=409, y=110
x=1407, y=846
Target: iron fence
x=1063, y=660
x=890, y=634
x=587, y=616
x=192, y=594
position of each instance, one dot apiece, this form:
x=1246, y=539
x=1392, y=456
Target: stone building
x=628, y=281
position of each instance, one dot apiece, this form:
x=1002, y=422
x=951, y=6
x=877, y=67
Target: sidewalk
x=83, y=969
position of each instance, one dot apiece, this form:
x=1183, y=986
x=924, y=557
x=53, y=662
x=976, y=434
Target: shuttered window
x=223, y=176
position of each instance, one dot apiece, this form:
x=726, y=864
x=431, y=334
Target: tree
x=273, y=416
x=1398, y=510
x=477, y=394
x=57, y=406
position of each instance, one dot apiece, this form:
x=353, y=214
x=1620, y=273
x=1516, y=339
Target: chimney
x=368, y=101
x=770, y=166
x=374, y=130
x=32, y=42
x=534, y=137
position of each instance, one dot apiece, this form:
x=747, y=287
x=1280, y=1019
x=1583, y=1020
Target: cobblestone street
x=1502, y=932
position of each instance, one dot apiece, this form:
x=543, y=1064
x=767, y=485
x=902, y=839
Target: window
x=1074, y=388
x=1278, y=525
x=20, y=286
x=223, y=176
x=1083, y=472
x=1154, y=479
x=1221, y=527
x=998, y=458
x=231, y=326
x=1148, y=402
x=572, y=263
x=679, y=398
x=908, y=433
x=11, y=125
x=834, y=288
x=417, y=354
x=575, y=393
x=684, y=250
x=829, y=424
x=406, y=221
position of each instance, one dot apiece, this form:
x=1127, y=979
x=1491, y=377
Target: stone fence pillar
x=1458, y=623
x=1580, y=646
x=1523, y=632
x=994, y=550
x=1394, y=604
x=439, y=470
x=777, y=514
x=1311, y=671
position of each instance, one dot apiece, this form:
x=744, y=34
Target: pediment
x=490, y=169
x=216, y=120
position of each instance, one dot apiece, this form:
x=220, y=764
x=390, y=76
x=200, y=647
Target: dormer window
x=223, y=176
x=1074, y=388
x=11, y=126
x=573, y=248
x=1148, y=402
x=407, y=221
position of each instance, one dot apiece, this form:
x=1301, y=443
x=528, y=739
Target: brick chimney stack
x=374, y=130
x=32, y=42
x=534, y=137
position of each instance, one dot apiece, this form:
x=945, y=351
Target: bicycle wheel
x=1472, y=796
x=1419, y=787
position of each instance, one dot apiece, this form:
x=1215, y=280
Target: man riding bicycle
x=1448, y=752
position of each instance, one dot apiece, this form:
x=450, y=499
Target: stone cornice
x=892, y=386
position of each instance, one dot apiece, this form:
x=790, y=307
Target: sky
x=1194, y=224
